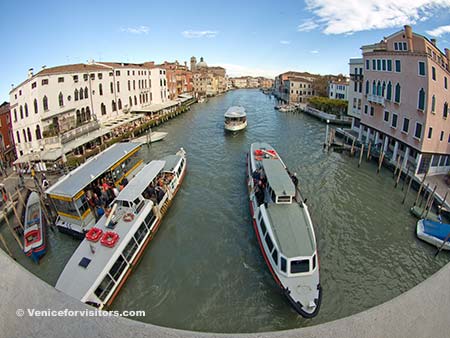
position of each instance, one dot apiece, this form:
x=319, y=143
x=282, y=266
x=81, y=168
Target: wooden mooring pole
x=423, y=195
x=399, y=175
x=429, y=203
x=420, y=188
x=352, y=150
x=19, y=218
x=368, y=151
x=380, y=162
x=12, y=230
x=397, y=164
x=361, y=155
x=407, y=189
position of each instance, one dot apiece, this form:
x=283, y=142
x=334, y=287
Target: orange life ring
x=94, y=234
x=128, y=217
x=109, y=239
x=259, y=152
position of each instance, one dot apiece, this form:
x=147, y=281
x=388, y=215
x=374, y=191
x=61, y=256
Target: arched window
x=88, y=114
x=379, y=88
x=433, y=104
x=15, y=115
x=24, y=135
x=113, y=105
x=29, y=135
x=18, y=136
x=135, y=100
x=131, y=101
x=100, y=89
x=86, y=93
x=389, y=91
x=75, y=94
x=111, y=85
x=119, y=104
x=21, y=112
x=26, y=110
x=383, y=89
x=374, y=88
x=45, y=103
x=35, y=104
x=38, y=132
x=83, y=115
x=61, y=99
x=397, y=93
x=421, y=103
x=445, y=112
x=81, y=94
x=103, y=109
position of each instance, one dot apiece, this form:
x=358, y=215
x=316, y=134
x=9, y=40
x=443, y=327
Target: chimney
x=409, y=37
x=30, y=73
x=433, y=41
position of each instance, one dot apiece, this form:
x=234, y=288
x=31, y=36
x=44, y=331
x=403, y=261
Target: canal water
x=204, y=270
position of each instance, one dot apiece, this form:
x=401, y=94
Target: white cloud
x=307, y=25
x=136, y=30
x=439, y=31
x=190, y=34
x=347, y=17
x=238, y=70
x=285, y=42
x=314, y=52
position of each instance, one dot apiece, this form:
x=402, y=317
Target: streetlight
x=326, y=135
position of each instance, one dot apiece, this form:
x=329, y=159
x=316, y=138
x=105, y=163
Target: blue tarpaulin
x=436, y=229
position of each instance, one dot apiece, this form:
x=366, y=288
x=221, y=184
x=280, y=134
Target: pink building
x=405, y=101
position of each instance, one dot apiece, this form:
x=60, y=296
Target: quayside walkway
x=420, y=312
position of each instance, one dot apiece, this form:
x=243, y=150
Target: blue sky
x=246, y=37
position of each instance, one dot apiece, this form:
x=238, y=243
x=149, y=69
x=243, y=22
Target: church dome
x=202, y=64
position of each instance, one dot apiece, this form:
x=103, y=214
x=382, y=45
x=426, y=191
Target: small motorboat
x=150, y=137
x=34, y=232
x=434, y=233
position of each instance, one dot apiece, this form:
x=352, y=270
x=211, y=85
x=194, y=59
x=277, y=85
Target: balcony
x=56, y=141
x=376, y=99
x=356, y=77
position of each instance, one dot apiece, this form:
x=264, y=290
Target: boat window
x=130, y=249
x=122, y=170
x=104, y=288
x=67, y=207
x=149, y=219
x=136, y=201
x=118, y=268
x=314, y=261
x=125, y=204
x=140, y=233
x=275, y=256
x=260, y=216
x=82, y=204
x=283, y=264
x=263, y=227
x=139, y=206
x=269, y=242
x=284, y=199
x=181, y=167
x=300, y=266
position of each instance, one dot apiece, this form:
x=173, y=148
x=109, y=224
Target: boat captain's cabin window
x=283, y=264
x=299, y=266
x=284, y=199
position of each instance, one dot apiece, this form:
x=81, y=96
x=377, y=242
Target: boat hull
x=35, y=247
x=236, y=127
x=437, y=242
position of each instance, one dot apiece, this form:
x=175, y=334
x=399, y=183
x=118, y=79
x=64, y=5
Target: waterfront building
x=179, y=78
x=265, y=82
x=294, y=87
x=405, y=101
x=7, y=148
x=239, y=82
x=338, y=90
x=355, y=91
x=53, y=108
x=208, y=81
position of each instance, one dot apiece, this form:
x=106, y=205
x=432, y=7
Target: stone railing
x=376, y=99
x=71, y=134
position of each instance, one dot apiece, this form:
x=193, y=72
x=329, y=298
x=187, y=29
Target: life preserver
x=109, y=239
x=259, y=152
x=128, y=217
x=258, y=158
x=94, y=234
x=272, y=152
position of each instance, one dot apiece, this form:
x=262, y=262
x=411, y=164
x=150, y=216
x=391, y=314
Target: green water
x=204, y=270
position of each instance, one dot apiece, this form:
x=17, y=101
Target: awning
x=153, y=108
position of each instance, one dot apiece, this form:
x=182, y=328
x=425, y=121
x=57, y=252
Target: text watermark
x=77, y=313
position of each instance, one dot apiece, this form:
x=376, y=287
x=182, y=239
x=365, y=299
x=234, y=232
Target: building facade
x=208, y=81
x=405, y=101
x=60, y=103
x=179, y=79
x=294, y=87
x=338, y=90
x=355, y=86
x=7, y=148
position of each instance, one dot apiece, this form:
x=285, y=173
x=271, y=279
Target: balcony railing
x=72, y=134
x=376, y=99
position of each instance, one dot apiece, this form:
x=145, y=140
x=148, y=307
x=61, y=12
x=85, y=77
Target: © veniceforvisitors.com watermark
x=31, y=312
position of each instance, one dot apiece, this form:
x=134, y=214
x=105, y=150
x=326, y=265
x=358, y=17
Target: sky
x=250, y=37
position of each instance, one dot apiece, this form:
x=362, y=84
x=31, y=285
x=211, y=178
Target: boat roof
x=78, y=179
x=291, y=229
x=131, y=191
x=278, y=178
x=235, y=111
x=76, y=280
x=171, y=162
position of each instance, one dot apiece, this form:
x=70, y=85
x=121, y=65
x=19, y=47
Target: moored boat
x=284, y=229
x=434, y=233
x=111, y=249
x=235, y=119
x=34, y=231
x=150, y=137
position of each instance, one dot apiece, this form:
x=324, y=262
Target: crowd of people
x=158, y=187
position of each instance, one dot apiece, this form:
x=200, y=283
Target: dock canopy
x=70, y=185
x=235, y=112
x=278, y=178
x=141, y=180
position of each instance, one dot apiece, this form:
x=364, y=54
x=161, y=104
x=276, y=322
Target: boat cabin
x=280, y=187
x=235, y=115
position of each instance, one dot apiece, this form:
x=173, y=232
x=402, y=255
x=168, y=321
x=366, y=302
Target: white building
x=338, y=90
x=355, y=91
x=59, y=104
